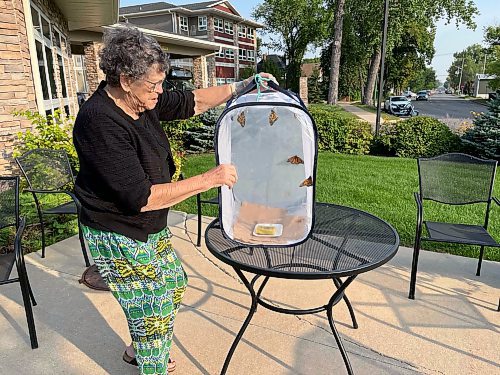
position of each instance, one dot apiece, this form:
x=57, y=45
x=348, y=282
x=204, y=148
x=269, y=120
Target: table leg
x=329, y=312
x=253, y=308
x=338, y=284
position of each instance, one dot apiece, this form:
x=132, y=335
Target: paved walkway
x=361, y=113
x=452, y=327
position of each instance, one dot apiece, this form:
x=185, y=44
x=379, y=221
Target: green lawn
x=379, y=185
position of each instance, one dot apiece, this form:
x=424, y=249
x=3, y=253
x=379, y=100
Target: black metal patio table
x=344, y=243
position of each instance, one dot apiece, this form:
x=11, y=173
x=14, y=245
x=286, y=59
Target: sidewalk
x=451, y=328
x=361, y=113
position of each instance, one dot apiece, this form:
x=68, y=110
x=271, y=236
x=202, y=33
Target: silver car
x=422, y=95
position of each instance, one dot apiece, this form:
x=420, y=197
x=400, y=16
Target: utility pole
x=461, y=72
x=484, y=62
x=382, y=67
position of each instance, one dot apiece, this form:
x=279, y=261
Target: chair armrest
x=70, y=193
x=39, y=191
x=496, y=200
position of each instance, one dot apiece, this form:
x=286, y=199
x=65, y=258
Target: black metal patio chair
x=49, y=172
x=9, y=217
x=199, y=202
x=454, y=179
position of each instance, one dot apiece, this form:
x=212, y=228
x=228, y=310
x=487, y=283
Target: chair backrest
x=9, y=216
x=46, y=169
x=456, y=178
x=9, y=202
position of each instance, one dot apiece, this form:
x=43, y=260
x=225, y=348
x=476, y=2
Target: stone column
x=303, y=89
x=94, y=74
x=212, y=81
x=200, y=74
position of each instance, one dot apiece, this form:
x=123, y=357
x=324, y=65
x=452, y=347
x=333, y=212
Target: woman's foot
x=129, y=357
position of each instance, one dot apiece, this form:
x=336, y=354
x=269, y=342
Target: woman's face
x=144, y=91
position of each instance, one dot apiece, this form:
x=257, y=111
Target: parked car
x=399, y=106
x=410, y=94
x=448, y=91
x=423, y=95
x=178, y=79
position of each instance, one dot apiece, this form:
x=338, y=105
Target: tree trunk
x=333, y=87
x=372, y=77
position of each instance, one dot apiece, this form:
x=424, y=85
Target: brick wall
x=16, y=83
x=94, y=74
x=17, y=89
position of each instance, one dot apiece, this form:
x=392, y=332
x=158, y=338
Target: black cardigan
x=120, y=158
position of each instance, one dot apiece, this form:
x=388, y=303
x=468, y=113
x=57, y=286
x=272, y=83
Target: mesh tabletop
x=344, y=241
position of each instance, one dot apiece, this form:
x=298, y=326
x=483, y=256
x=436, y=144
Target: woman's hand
x=224, y=174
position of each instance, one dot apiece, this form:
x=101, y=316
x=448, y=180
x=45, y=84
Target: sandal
x=133, y=361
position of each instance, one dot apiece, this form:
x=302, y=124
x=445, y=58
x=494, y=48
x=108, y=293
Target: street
x=449, y=108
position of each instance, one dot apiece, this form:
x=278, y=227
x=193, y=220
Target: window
x=81, y=79
x=251, y=33
x=183, y=23
x=221, y=81
x=251, y=55
x=221, y=53
x=202, y=23
x=229, y=80
x=229, y=54
x=218, y=25
x=242, y=54
x=242, y=31
x=51, y=52
x=228, y=27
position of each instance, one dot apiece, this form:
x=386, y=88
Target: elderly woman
x=125, y=187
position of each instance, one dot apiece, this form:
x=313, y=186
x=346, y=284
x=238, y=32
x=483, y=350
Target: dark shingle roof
x=147, y=7
x=197, y=6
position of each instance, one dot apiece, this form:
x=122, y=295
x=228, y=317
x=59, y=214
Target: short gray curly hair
x=128, y=51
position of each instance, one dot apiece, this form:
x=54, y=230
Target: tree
x=293, y=26
x=492, y=37
x=465, y=66
x=269, y=66
x=424, y=13
x=246, y=72
x=425, y=79
x=333, y=87
x=314, y=92
x=484, y=136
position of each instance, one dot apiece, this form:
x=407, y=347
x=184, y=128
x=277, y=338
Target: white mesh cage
x=271, y=140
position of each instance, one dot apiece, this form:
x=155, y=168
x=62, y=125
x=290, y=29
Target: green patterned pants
x=148, y=281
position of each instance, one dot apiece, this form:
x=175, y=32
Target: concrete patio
x=451, y=328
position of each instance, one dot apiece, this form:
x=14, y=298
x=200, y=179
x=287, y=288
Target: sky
x=448, y=40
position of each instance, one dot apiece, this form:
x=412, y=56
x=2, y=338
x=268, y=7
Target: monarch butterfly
x=295, y=160
x=307, y=182
x=272, y=117
x=241, y=119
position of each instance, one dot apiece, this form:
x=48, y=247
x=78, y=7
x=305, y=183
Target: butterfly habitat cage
x=271, y=139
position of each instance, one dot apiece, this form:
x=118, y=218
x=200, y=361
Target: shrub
x=416, y=137
x=341, y=134
x=52, y=131
x=484, y=137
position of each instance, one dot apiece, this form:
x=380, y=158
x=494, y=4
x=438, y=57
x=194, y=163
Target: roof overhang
x=85, y=15
x=174, y=44
x=180, y=44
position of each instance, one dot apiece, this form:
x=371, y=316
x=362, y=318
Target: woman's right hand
x=224, y=174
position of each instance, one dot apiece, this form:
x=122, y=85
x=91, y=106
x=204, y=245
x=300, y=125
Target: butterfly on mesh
x=272, y=117
x=295, y=160
x=242, y=119
x=307, y=182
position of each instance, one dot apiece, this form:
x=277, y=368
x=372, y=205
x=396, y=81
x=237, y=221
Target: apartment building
x=214, y=21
